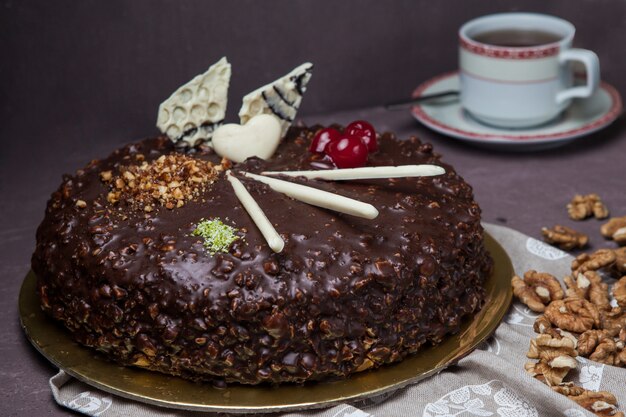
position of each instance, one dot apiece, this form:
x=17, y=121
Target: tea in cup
x=516, y=68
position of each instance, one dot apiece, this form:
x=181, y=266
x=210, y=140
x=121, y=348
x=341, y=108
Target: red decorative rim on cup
x=421, y=115
x=500, y=52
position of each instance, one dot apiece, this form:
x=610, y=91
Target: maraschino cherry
x=323, y=138
x=347, y=152
x=348, y=149
x=365, y=131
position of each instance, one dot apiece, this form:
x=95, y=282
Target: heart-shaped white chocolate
x=259, y=137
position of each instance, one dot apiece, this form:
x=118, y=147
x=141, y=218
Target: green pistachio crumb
x=217, y=236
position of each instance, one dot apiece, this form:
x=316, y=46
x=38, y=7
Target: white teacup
x=508, y=83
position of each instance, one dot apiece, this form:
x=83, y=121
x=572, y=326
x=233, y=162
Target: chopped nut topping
x=81, y=203
x=168, y=181
x=106, y=176
x=564, y=237
x=113, y=197
x=585, y=206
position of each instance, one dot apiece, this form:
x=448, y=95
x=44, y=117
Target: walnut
x=598, y=290
x=585, y=206
x=166, y=181
x=556, y=357
x=568, y=389
x=590, y=287
x=547, y=347
x=600, y=211
x=620, y=356
x=564, y=237
x=574, y=314
x=619, y=292
x=589, y=340
x=537, y=289
x=544, y=372
x=613, y=321
x=620, y=236
x=605, y=352
x=542, y=325
x=614, y=224
x=619, y=267
x=113, y=197
x=106, y=176
x=567, y=335
x=578, y=288
x=602, y=403
x=592, y=262
x=526, y=295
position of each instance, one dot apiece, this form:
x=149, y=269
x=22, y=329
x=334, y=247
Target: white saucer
x=583, y=117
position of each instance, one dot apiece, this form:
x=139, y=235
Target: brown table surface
x=47, y=129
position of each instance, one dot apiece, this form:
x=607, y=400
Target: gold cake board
x=86, y=365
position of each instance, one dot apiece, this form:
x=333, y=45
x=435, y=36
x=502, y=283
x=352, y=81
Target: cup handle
x=592, y=66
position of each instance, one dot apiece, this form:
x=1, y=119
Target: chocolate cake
x=121, y=264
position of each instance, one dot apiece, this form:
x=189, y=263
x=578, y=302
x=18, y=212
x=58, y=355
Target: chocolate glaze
x=346, y=294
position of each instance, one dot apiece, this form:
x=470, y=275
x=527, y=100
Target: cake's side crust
x=346, y=294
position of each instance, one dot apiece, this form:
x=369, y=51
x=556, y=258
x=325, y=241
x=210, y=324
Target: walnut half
x=592, y=262
x=556, y=358
x=537, y=289
x=615, y=229
x=583, y=206
x=619, y=267
x=619, y=292
x=601, y=403
x=564, y=237
x=573, y=314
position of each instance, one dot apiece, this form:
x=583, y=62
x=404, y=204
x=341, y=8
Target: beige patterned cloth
x=491, y=381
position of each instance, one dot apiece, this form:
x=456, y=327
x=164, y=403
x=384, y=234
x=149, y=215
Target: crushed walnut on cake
x=168, y=181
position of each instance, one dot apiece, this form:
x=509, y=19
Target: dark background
x=80, y=78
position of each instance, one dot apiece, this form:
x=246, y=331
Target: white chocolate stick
x=318, y=198
x=424, y=170
x=258, y=216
